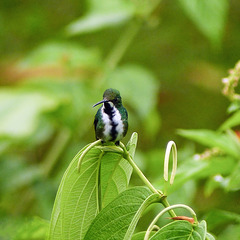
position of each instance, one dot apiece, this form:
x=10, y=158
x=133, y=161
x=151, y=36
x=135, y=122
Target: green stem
x=55, y=151
x=124, y=42
x=145, y=180
x=121, y=46
x=166, y=204
x=138, y=171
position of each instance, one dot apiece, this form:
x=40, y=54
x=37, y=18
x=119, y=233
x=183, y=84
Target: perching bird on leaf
x=111, y=120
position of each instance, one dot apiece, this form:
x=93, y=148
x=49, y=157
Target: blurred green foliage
x=167, y=60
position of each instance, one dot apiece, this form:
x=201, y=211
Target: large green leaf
x=209, y=16
x=116, y=172
x=119, y=218
x=78, y=199
x=225, y=142
x=76, y=204
x=181, y=230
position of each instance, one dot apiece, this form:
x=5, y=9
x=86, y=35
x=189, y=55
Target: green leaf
x=108, y=13
x=138, y=85
x=218, y=218
x=76, y=204
x=224, y=142
x=119, y=218
x=20, y=110
x=209, y=237
x=140, y=235
x=230, y=232
x=234, y=182
x=192, y=169
x=57, y=54
x=181, y=230
x=209, y=17
x=116, y=172
x=233, y=121
x=78, y=201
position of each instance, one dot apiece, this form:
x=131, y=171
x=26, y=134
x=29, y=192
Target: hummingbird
x=111, y=119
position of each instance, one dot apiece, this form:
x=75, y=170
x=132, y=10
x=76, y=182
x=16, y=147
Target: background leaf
x=218, y=218
x=33, y=229
x=136, y=84
x=99, y=16
x=232, y=121
x=209, y=17
x=209, y=138
x=20, y=111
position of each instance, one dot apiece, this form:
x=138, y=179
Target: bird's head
x=112, y=96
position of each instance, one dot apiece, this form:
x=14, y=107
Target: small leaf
x=234, y=183
x=99, y=16
x=181, y=230
x=119, y=218
x=209, y=17
x=97, y=21
x=209, y=237
x=233, y=121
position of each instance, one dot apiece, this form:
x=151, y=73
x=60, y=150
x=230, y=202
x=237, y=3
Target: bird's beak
x=103, y=101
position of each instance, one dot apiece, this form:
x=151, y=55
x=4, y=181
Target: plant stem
x=55, y=151
x=146, y=181
x=138, y=171
x=141, y=175
x=121, y=46
x=124, y=42
x=166, y=204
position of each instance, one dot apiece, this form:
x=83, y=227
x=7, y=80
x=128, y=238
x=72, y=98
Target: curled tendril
x=90, y=146
x=152, y=225
x=170, y=146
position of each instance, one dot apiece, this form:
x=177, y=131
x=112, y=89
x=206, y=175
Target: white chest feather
x=113, y=129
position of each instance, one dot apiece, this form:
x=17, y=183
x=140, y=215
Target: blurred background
x=167, y=58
